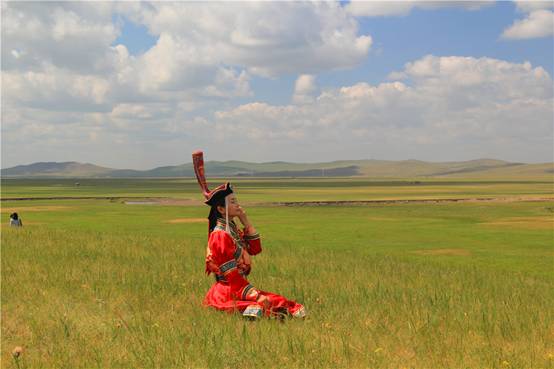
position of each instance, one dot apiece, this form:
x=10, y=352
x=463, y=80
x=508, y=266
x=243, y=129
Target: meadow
x=98, y=283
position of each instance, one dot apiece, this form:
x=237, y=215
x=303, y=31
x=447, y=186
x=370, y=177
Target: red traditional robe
x=228, y=257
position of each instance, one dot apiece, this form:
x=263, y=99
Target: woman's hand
x=244, y=262
x=248, y=228
x=242, y=217
x=264, y=301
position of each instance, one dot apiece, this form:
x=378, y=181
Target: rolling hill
x=479, y=169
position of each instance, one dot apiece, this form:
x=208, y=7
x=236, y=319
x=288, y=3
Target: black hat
x=218, y=194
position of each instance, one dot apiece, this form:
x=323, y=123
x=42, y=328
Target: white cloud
x=132, y=112
x=65, y=51
x=528, y=6
x=67, y=87
x=539, y=20
x=363, y=8
x=379, y=8
x=463, y=107
x=538, y=23
x=267, y=38
x=74, y=36
x=304, y=89
x=460, y=107
x=479, y=78
x=55, y=89
x=66, y=82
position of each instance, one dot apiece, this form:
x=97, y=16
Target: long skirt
x=219, y=297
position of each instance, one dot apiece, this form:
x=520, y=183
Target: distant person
x=15, y=220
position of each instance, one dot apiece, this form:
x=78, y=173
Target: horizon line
x=279, y=161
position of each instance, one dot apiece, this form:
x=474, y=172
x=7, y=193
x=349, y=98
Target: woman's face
x=233, y=206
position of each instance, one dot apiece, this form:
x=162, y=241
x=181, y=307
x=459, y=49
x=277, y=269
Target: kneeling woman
x=228, y=257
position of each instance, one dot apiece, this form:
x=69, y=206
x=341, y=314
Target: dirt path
x=37, y=208
x=142, y=200
x=411, y=201
x=84, y=198
x=130, y=200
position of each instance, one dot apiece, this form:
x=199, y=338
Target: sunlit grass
x=103, y=284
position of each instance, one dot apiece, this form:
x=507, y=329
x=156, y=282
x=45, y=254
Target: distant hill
x=482, y=168
x=54, y=169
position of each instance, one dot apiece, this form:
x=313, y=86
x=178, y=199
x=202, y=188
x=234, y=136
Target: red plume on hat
x=219, y=192
x=213, y=198
x=198, y=163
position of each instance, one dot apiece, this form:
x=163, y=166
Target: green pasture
x=101, y=284
x=280, y=189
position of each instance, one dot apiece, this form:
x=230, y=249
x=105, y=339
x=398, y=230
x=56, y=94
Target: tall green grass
x=101, y=284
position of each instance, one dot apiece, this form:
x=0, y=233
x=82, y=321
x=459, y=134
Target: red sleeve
x=222, y=248
x=254, y=243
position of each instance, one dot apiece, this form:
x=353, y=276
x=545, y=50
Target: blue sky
x=399, y=40
x=139, y=85
x=134, y=36
x=450, y=31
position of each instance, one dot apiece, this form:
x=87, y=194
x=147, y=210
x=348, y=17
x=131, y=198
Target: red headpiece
x=218, y=193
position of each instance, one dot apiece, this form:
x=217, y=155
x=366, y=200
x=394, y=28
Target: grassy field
x=272, y=190
x=98, y=283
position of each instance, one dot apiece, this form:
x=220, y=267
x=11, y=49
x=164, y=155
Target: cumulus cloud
x=462, y=106
x=133, y=112
x=75, y=36
x=58, y=48
x=402, y=8
x=55, y=89
x=268, y=39
x=65, y=76
x=304, y=89
x=539, y=21
x=68, y=86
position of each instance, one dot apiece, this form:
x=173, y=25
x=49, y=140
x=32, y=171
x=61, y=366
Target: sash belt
x=220, y=278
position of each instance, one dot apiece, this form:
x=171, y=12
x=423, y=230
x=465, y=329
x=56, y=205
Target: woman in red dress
x=228, y=258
